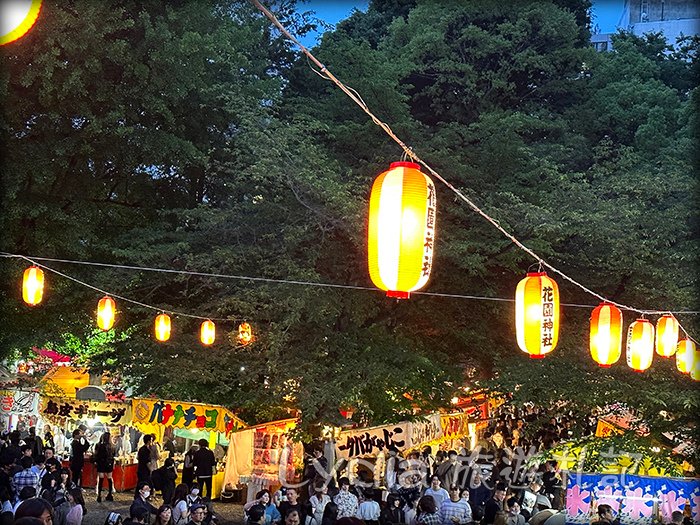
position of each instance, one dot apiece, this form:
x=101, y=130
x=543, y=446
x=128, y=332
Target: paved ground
x=228, y=513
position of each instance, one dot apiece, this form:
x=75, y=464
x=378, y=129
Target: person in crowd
x=606, y=516
x=428, y=511
x=48, y=438
x=428, y=459
x=542, y=512
x=272, y=515
x=455, y=511
x=204, y=467
x=479, y=494
x=346, y=500
x=64, y=485
x=330, y=514
x=143, y=458
x=179, y=505
x=494, y=505
x=34, y=442
x=293, y=518
x=154, y=447
x=143, y=492
x=292, y=504
x=5, y=500
x=513, y=516
x=26, y=451
x=35, y=508
x=256, y=515
x=23, y=495
x=193, y=498
x=319, y=501
x=164, y=515
x=137, y=515
x=368, y=509
x=676, y=518
x=78, y=447
x=51, y=459
x=392, y=513
x=315, y=469
x=104, y=463
x=209, y=517
x=6, y=466
x=436, y=491
x=448, y=471
x=188, y=466
x=169, y=446
x=25, y=477
x=77, y=507
x=169, y=476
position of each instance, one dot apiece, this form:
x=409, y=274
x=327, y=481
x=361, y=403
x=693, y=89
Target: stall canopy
x=65, y=380
x=152, y=415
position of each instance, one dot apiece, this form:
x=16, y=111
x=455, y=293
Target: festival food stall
x=66, y=414
x=191, y=422
x=19, y=409
x=263, y=456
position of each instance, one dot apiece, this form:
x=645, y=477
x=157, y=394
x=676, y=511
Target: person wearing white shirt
x=438, y=493
x=368, y=510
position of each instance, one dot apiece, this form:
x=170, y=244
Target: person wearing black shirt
x=51, y=459
x=78, y=448
x=143, y=457
x=204, y=465
x=292, y=503
x=495, y=504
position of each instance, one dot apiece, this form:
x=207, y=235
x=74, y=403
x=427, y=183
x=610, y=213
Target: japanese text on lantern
x=429, y=244
x=547, y=315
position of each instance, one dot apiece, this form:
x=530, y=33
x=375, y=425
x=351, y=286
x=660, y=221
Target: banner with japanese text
x=182, y=414
x=636, y=500
x=19, y=402
x=57, y=408
x=425, y=431
x=456, y=425
x=368, y=442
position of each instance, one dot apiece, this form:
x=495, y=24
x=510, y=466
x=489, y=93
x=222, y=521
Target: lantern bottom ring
x=537, y=356
x=398, y=294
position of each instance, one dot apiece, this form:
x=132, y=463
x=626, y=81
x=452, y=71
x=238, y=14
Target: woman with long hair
x=104, y=462
x=181, y=512
x=272, y=515
x=164, y=516
x=77, y=507
x=427, y=511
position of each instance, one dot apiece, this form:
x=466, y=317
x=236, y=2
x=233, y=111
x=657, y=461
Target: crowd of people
x=35, y=486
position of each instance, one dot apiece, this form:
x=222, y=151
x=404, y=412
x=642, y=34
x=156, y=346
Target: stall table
x=217, y=483
x=124, y=477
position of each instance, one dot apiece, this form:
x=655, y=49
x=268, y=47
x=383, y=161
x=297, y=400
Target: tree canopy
x=189, y=136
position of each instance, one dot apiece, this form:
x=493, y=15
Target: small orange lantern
x=207, y=332
x=537, y=314
x=162, y=327
x=245, y=333
x=401, y=233
x=666, y=335
x=606, y=334
x=640, y=345
x=685, y=355
x=106, y=311
x=33, y=285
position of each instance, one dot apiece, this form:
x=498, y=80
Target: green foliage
x=189, y=136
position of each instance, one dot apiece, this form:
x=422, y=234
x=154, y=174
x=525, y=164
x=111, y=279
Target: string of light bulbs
x=408, y=151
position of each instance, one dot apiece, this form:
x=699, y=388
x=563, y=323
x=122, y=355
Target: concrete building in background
x=671, y=17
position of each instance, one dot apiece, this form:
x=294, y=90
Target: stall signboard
x=182, y=414
x=56, y=408
x=605, y=429
x=273, y=453
x=369, y=442
x=637, y=500
x=426, y=430
x=19, y=402
x=455, y=425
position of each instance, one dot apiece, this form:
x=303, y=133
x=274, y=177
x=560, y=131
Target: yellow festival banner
x=605, y=429
x=182, y=414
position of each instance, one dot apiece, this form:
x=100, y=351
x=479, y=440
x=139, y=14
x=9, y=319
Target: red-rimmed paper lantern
x=606, y=334
x=401, y=233
x=537, y=314
x=640, y=345
x=207, y=332
x=686, y=353
x=162, y=327
x=18, y=17
x=106, y=312
x=33, y=285
x=666, y=335
x=245, y=333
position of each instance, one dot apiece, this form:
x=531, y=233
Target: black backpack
x=158, y=478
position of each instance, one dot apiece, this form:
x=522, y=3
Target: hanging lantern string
x=355, y=97
x=120, y=297
x=32, y=259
